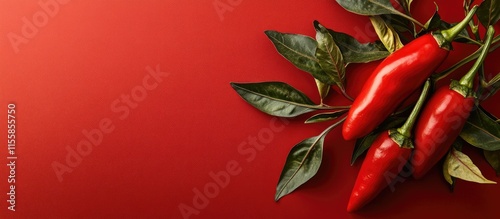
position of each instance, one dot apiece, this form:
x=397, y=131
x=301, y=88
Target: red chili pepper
x=443, y=118
x=384, y=156
x=385, y=159
x=397, y=76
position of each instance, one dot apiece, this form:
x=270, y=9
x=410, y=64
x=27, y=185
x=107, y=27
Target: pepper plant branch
x=326, y=107
x=407, y=127
x=346, y=95
x=466, y=60
x=411, y=19
x=468, y=78
x=473, y=41
x=451, y=33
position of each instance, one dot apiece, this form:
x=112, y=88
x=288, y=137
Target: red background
x=90, y=53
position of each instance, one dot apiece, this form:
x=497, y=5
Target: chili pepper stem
x=346, y=95
x=468, y=79
x=466, y=60
x=451, y=33
x=407, y=127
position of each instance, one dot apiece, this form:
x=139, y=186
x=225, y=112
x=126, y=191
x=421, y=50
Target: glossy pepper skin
x=397, y=77
x=440, y=123
x=384, y=157
x=444, y=116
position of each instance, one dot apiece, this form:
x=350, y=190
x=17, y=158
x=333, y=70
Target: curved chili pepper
x=443, y=118
x=385, y=159
x=397, y=76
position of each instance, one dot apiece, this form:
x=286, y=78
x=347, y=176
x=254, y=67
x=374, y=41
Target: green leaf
x=302, y=163
x=355, y=52
x=457, y=145
x=275, y=98
x=329, y=57
x=300, y=50
x=368, y=7
x=482, y=131
x=462, y=167
x=493, y=158
x=386, y=34
x=322, y=117
x=364, y=143
x=488, y=12
x=495, y=81
x=400, y=24
x=373, y=7
x=491, y=87
x=450, y=179
x=323, y=89
x=434, y=22
x=406, y=5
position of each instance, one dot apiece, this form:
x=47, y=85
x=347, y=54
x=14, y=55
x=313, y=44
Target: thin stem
x=473, y=41
x=407, y=127
x=466, y=60
x=468, y=78
x=326, y=107
x=457, y=65
x=411, y=19
x=346, y=95
x=451, y=33
x=331, y=127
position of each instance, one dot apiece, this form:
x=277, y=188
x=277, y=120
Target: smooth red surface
x=91, y=55
x=393, y=81
x=439, y=124
x=383, y=163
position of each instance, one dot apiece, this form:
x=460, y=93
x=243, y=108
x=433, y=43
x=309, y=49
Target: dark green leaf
x=302, y=164
x=434, y=22
x=322, y=117
x=275, y=98
x=329, y=57
x=368, y=7
x=488, y=12
x=364, y=143
x=355, y=52
x=400, y=24
x=493, y=158
x=300, y=50
x=386, y=34
x=406, y=5
x=482, y=131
